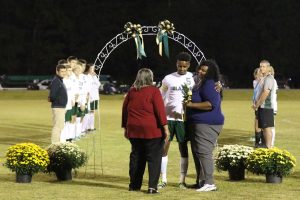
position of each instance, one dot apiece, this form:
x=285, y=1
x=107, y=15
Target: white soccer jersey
x=70, y=92
x=95, y=84
x=274, y=99
x=82, y=89
x=171, y=90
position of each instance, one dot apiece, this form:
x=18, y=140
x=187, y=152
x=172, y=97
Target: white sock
x=84, y=124
x=92, y=121
x=163, y=169
x=64, y=133
x=72, y=133
x=78, y=127
x=273, y=137
x=184, y=163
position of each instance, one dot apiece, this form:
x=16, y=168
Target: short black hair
x=87, y=68
x=59, y=67
x=184, y=56
x=62, y=62
x=213, y=71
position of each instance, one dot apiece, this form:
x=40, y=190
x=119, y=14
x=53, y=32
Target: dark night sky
x=34, y=34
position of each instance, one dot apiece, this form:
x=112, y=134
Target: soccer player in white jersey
x=274, y=103
x=171, y=90
x=81, y=100
x=69, y=128
x=94, y=95
x=85, y=94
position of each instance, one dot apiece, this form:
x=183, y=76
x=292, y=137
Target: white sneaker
x=207, y=188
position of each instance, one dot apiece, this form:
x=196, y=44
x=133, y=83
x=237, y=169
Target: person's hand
x=125, y=133
x=187, y=104
x=218, y=86
x=167, y=136
x=254, y=107
x=73, y=119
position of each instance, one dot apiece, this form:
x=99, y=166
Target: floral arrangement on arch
x=135, y=30
x=272, y=161
x=65, y=156
x=26, y=159
x=165, y=28
x=232, y=156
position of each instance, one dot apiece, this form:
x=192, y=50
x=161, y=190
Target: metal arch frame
x=123, y=37
x=146, y=30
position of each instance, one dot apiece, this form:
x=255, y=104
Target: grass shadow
x=235, y=136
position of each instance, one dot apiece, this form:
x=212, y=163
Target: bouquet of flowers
x=26, y=159
x=272, y=161
x=187, y=97
x=65, y=156
x=232, y=156
x=187, y=93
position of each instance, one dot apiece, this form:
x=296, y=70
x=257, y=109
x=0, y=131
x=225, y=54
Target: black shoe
x=194, y=186
x=152, y=191
x=197, y=185
x=134, y=189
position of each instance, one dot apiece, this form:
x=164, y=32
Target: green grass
x=26, y=117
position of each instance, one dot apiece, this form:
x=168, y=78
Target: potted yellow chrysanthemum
x=26, y=159
x=274, y=163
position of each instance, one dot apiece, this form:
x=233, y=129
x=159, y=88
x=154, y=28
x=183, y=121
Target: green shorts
x=68, y=115
x=178, y=128
x=94, y=105
x=80, y=113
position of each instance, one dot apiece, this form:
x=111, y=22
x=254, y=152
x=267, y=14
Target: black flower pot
x=23, y=178
x=64, y=174
x=236, y=174
x=270, y=178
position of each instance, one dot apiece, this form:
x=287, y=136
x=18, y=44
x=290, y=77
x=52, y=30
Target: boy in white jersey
x=81, y=100
x=274, y=103
x=69, y=128
x=94, y=95
x=85, y=95
x=171, y=90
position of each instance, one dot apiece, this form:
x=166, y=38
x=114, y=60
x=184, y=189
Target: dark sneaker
x=162, y=185
x=152, y=191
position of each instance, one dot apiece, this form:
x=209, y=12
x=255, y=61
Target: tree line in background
x=35, y=34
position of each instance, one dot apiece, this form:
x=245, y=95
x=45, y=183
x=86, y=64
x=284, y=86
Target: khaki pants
x=58, y=119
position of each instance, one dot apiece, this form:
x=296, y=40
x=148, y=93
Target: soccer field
x=25, y=116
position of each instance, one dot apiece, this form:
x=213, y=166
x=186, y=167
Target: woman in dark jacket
x=145, y=125
x=206, y=121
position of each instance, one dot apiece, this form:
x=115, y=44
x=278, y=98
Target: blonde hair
x=266, y=61
x=272, y=72
x=144, y=78
x=256, y=72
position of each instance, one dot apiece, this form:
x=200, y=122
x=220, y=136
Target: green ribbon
x=166, y=43
x=163, y=38
x=139, y=47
